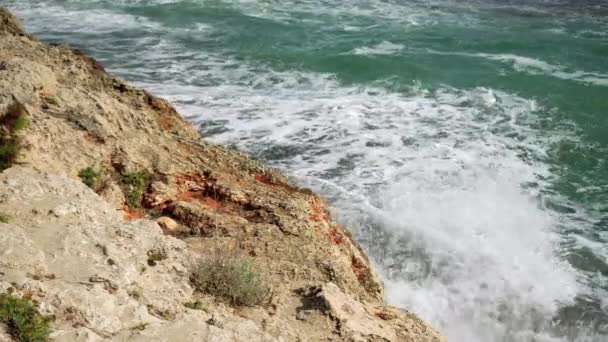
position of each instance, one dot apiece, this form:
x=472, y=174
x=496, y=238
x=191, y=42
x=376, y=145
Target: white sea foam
x=489, y=249
x=85, y=21
x=536, y=66
x=383, y=48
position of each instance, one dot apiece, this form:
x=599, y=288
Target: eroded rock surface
x=83, y=253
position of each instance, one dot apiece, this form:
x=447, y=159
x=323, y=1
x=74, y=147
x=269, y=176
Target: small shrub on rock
x=4, y=218
x=229, y=279
x=88, y=176
x=11, y=123
x=135, y=183
x=20, y=123
x=22, y=320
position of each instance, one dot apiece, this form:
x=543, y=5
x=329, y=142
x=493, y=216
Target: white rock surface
x=352, y=315
x=167, y=223
x=4, y=337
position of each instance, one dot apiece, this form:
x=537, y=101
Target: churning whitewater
x=463, y=142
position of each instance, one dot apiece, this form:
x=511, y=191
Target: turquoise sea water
x=464, y=142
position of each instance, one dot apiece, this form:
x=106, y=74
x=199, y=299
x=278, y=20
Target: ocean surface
x=464, y=142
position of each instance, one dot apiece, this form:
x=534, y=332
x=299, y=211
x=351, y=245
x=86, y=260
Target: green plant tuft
x=9, y=150
x=20, y=123
x=23, y=321
x=51, y=101
x=230, y=279
x=136, y=186
x=4, y=218
x=195, y=306
x=88, y=176
x=11, y=123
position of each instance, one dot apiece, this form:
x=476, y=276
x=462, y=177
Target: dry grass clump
x=230, y=279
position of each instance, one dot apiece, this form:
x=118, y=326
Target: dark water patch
x=587, y=314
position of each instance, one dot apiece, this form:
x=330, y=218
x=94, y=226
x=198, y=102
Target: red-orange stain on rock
x=187, y=196
x=264, y=179
x=199, y=188
x=318, y=213
x=261, y=178
x=210, y=203
x=132, y=214
x=336, y=235
x=197, y=196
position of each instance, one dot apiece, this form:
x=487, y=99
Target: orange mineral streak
x=132, y=214
x=188, y=196
x=318, y=213
x=210, y=203
x=205, y=201
x=263, y=179
x=336, y=234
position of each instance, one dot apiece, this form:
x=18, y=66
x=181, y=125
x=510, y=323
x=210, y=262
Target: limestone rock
x=113, y=194
x=9, y=23
x=360, y=322
x=352, y=315
x=4, y=336
x=167, y=223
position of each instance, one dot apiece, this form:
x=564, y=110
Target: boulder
x=167, y=223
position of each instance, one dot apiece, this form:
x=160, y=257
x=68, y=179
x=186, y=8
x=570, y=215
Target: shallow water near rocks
x=464, y=142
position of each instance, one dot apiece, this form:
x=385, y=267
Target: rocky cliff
x=112, y=260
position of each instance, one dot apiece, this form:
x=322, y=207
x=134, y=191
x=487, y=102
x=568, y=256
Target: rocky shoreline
x=156, y=191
